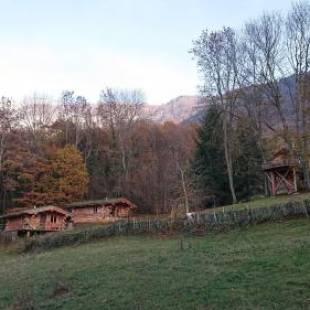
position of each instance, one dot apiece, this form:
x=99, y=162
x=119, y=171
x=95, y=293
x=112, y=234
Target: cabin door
x=42, y=221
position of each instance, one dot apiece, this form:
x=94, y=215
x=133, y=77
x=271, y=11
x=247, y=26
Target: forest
x=52, y=154
x=255, y=99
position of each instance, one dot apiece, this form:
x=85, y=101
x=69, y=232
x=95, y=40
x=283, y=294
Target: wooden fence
x=199, y=223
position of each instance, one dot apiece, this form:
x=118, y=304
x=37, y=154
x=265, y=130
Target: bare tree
x=75, y=111
x=37, y=114
x=8, y=121
x=216, y=54
x=118, y=110
x=67, y=100
x=8, y=117
x=298, y=51
x=251, y=94
x=266, y=34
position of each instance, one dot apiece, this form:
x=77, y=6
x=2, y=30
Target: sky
x=47, y=46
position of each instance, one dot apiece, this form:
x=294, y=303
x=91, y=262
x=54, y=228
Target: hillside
x=189, y=108
x=263, y=267
x=177, y=110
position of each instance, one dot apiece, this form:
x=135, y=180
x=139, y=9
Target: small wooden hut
x=30, y=220
x=281, y=173
x=100, y=211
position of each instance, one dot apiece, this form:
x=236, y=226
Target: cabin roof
x=100, y=202
x=34, y=211
x=281, y=159
x=280, y=164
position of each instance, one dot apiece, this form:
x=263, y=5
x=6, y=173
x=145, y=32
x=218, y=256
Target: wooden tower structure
x=281, y=173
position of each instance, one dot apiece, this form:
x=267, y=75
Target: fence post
x=305, y=208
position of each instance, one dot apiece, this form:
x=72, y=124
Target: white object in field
x=190, y=216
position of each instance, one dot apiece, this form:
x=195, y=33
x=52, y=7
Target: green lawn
x=255, y=203
x=264, y=267
x=261, y=202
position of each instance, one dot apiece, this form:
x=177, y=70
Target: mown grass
x=262, y=267
x=256, y=202
x=262, y=202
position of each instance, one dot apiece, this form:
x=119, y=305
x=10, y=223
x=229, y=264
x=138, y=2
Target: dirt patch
x=61, y=289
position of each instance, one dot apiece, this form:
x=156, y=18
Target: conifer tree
x=209, y=162
x=248, y=161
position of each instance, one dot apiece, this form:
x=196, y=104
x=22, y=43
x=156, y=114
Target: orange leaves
x=53, y=178
x=71, y=173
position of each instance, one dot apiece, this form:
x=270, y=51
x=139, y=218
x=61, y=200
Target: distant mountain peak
x=176, y=110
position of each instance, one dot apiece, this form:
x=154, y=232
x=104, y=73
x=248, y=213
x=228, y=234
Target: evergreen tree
x=248, y=161
x=209, y=162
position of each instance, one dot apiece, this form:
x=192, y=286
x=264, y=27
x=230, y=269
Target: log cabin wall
x=122, y=211
x=46, y=221
x=93, y=214
x=13, y=224
x=51, y=218
x=22, y=222
x=99, y=214
x=53, y=221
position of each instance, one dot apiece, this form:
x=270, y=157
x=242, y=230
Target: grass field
x=262, y=202
x=264, y=267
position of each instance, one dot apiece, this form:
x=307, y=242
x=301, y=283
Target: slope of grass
x=264, y=267
x=262, y=202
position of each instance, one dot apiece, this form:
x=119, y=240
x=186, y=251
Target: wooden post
x=273, y=184
x=266, y=187
x=295, y=180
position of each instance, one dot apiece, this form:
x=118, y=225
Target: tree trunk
x=304, y=152
x=184, y=189
x=301, y=128
x=228, y=162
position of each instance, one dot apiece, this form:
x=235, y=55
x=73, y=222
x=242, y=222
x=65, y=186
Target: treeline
x=54, y=153
x=259, y=74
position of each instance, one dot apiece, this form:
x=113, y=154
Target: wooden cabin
x=30, y=220
x=281, y=173
x=100, y=211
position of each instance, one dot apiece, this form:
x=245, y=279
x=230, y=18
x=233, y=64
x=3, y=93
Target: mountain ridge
x=177, y=110
x=189, y=108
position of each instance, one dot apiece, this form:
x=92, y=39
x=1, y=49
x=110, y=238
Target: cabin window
x=95, y=209
x=53, y=218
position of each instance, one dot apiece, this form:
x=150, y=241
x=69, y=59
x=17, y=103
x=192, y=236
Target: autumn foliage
x=55, y=176
x=57, y=153
x=70, y=173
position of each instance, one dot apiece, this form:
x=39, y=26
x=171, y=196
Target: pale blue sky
x=85, y=45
